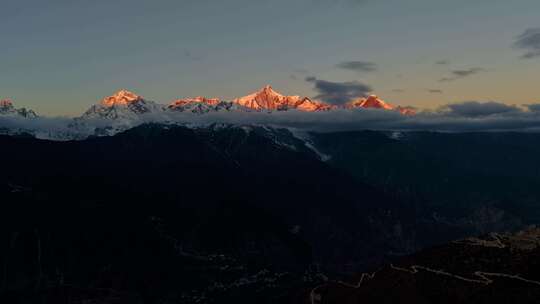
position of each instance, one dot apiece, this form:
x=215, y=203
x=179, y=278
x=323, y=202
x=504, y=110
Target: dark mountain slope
x=168, y=213
x=491, y=179
x=497, y=268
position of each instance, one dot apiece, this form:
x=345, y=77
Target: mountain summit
x=268, y=99
x=374, y=102
x=122, y=105
x=6, y=103
x=202, y=105
x=122, y=97
x=8, y=109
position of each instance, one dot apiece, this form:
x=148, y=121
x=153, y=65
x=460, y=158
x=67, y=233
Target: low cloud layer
x=478, y=109
x=461, y=117
x=533, y=107
x=459, y=74
x=529, y=41
x=338, y=92
x=358, y=66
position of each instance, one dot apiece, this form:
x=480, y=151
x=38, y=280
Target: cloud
x=298, y=73
x=358, y=66
x=478, y=109
x=442, y=62
x=435, y=91
x=338, y=92
x=460, y=117
x=398, y=90
x=529, y=41
x=533, y=107
x=195, y=57
x=458, y=74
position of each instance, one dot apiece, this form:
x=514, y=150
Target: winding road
x=478, y=277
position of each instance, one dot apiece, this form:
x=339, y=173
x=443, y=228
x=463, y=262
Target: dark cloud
x=435, y=91
x=478, y=109
x=534, y=107
x=442, y=62
x=358, y=66
x=458, y=74
x=529, y=41
x=338, y=92
x=195, y=57
x=461, y=117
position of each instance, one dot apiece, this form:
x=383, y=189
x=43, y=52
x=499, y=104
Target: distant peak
x=122, y=97
x=371, y=101
x=126, y=94
x=268, y=99
x=198, y=99
x=5, y=103
x=268, y=90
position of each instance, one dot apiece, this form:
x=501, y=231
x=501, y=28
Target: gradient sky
x=58, y=57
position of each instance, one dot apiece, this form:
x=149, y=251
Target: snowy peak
x=202, y=105
x=122, y=97
x=268, y=99
x=372, y=101
x=308, y=105
x=197, y=105
x=264, y=99
x=122, y=105
x=187, y=101
x=6, y=104
x=8, y=109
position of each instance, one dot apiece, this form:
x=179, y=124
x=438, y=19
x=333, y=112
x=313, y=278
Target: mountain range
x=128, y=105
x=124, y=110
x=8, y=109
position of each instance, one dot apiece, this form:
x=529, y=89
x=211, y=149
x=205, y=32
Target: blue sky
x=59, y=57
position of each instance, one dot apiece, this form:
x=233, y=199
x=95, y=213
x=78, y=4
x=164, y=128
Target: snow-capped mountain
x=116, y=113
x=371, y=101
x=8, y=109
x=125, y=110
x=374, y=102
x=124, y=105
x=202, y=105
x=268, y=99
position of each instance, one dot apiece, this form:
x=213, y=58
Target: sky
x=59, y=57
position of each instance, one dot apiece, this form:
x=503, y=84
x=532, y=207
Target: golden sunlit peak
x=122, y=97
x=198, y=99
x=372, y=101
x=5, y=103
